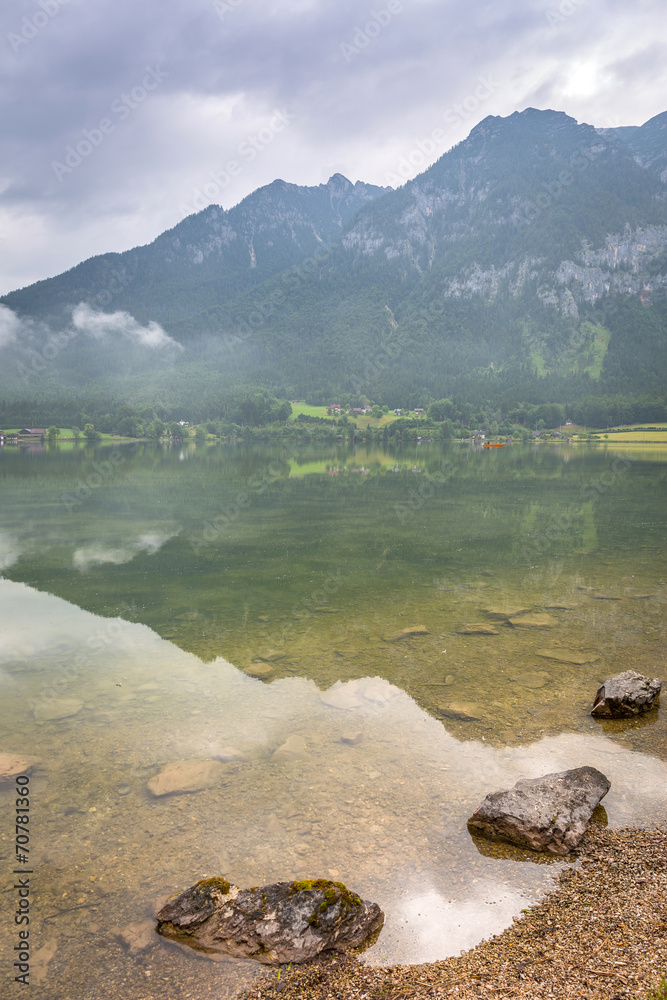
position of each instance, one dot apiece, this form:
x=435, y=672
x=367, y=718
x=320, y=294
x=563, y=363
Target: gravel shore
x=602, y=933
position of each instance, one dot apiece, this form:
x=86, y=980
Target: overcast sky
x=120, y=117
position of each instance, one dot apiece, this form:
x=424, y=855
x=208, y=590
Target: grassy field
x=634, y=434
x=362, y=421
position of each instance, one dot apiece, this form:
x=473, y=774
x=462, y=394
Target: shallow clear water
x=148, y=587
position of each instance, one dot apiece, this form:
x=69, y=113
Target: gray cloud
x=364, y=82
x=10, y=326
x=101, y=326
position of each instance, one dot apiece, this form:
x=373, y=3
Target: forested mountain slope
x=530, y=261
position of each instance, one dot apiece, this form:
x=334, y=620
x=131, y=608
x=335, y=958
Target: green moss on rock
x=216, y=882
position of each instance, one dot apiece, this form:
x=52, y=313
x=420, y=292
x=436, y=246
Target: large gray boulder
x=551, y=813
x=625, y=695
x=284, y=922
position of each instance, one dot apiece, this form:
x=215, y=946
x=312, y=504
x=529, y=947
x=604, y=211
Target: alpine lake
x=297, y=619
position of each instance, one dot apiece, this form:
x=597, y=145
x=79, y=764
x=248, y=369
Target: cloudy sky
x=120, y=117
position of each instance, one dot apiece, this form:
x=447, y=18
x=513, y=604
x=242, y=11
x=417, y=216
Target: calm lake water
x=245, y=606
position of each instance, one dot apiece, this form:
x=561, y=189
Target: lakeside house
x=31, y=433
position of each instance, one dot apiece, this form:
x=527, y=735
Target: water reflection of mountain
x=269, y=559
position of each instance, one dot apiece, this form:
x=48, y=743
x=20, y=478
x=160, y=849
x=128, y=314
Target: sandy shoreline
x=602, y=933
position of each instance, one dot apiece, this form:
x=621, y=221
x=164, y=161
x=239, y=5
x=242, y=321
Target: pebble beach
x=602, y=933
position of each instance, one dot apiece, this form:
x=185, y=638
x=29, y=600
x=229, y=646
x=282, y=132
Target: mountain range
x=529, y=261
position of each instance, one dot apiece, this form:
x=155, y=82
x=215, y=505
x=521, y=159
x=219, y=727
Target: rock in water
x=534, y=621
x=409, y=633
x=462, y=711
x=12, y=764
x=294, y=748
x=567, y=656
x=504, y=613
x=531, y=679
x=57, y=708
x=260, y=671
x=551, y=813
x=626, y=694
x=183, y=776
x=478, y=628
x=284, y=922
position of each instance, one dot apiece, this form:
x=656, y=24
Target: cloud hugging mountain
x=531, y=256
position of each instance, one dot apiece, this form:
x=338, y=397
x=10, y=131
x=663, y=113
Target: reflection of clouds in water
x=96, y=555
x=438, y=926
x=9, y=550
x=393, y=787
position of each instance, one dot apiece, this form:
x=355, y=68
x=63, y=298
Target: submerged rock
x=137, y=937
x=502, y=613
x=12, y=764
x=283, y=922
x=625, y=695
x=294, y=748
x=352, y=737
x=478, y=628
x=261, y=671
x=184, y=776
x=531, y=679
x=551, y=813
x=462, y=711
x=409, y=633
x=58, y=708
x=567, y=656
x=538, y=620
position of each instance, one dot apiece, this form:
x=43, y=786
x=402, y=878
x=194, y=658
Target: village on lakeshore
x=347, y=420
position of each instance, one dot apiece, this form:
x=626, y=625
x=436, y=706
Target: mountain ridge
x=536, y=248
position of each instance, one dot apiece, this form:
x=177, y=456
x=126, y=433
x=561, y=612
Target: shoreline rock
x=283, y=922
x=550, y=813
x=625, y=695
